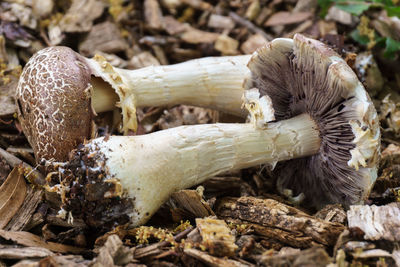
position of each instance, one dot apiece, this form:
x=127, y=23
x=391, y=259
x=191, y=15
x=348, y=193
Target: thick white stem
x=151, y=167
x=104, y=97
x=213, y=82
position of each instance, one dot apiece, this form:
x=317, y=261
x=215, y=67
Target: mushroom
x=60, y=91
x=326, y=133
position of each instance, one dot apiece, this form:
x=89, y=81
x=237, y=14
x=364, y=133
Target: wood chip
x=8, y=85
x=216, y=237
x=22, y=218
x=188, y=205
x=285, y=18
x=311, y=257
x=226, y=45
x=220, y=22
x=271, y=213
x=254, y=42
x=327, y=27
x=173, y=26
x=198, y=4
x=24, y=253
x=142, y=60
x=253, y=10
x=377, y=222
x=31, y=240
x=104, y=37
x=213, y=261
x=338, y=15
x=305, y=5
x=153, y=14
x=372, y=253
x=332, y=213
x=249, y=25
x=275, y=235
x=12, y=196
x=113, y=253
x=67, y=260
x=81, y=14
x=32, y=175
x=299, y=29
x=195, y=36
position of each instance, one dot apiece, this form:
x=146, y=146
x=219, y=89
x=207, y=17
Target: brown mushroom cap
x=306, y=76
x=53, y=99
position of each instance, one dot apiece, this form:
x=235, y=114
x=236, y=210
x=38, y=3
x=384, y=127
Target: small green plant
x=363, y=34
x=357, y=7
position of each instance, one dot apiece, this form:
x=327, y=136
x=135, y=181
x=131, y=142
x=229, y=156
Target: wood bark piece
x=67, y=261
x=294, y=239
x=12, y=195
x=310, y=257
x=213, y=261
x=113, y=253
x=23, y=253
x=276, y=215
x=31, y=240
x=377, y=222
x=216, y=237
x=156, y=249
x=222, y=186
x=189, y=205
x=22, y=218
x=32, y=175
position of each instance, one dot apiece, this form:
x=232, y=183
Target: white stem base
x=151, y=167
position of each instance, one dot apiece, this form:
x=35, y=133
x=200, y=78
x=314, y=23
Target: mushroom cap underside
x=306, y=76
x=53, y=99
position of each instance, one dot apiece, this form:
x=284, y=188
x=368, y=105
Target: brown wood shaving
x=276, y=215
x=31, y=240
x=216, y=236
x=377, y=222
x=12, y=196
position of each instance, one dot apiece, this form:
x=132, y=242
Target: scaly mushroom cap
x=53, y=99
x=305, y=76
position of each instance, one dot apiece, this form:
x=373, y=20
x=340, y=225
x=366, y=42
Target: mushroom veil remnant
x=326, y=133
x=60, y=91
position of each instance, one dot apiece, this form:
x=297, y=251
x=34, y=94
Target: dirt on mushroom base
x=87, y=194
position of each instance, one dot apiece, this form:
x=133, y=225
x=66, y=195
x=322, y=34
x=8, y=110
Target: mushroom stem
x=213, y=82
x=151, y=167
x=103, y=97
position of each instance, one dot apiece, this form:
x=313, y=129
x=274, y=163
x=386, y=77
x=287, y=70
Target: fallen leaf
x=12, y=196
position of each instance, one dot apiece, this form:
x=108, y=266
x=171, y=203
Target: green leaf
x=353, y=7
x=324, y=6
x=392, y=47
x=393, y=11
x=361, y=39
